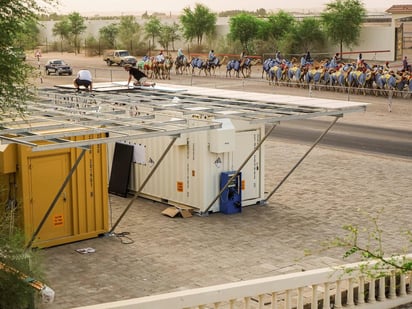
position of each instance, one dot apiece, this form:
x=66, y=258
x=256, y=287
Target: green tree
x=277, y=26
x=165, y=36
x=108, y=34
x=261, y=12
x=243, y=27
x=365, y=242
x=153, y=28
x=174, y=33
x=77, y=27
x=145, y=15
x=129, y=33
x=28, y=39
x=198, y=23
x=62, y=30
x=15, y=90
x=14, y=72
x=342, y=21
x=92, y=46
x=306, y=35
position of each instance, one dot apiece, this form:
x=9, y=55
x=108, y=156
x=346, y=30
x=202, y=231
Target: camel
x=247, y=66
x=182, y=65
x=217, y=63
x=202, y=65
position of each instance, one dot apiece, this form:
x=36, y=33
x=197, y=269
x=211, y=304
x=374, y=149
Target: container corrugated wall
x=189, y=174
x=80, y=212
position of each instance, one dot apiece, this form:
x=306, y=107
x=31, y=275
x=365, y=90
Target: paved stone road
x=330, y=189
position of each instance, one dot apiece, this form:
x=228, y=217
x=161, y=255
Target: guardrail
x=319, y=288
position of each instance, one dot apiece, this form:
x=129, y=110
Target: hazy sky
x=134, y=6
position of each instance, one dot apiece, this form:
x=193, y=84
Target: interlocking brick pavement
x=330, y=189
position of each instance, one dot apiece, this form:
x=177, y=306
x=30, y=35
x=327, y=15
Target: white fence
x=320, y=288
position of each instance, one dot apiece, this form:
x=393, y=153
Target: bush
x=15, y=293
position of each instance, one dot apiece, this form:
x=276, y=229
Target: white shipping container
x=189, y=175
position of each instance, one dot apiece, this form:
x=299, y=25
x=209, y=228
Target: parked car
x=58, y=67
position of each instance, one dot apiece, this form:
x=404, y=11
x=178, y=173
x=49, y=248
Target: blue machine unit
x=231, y=198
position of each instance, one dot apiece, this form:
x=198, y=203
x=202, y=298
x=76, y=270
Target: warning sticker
x=179, y=186
x=58, y=220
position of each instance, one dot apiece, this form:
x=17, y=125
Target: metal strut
x=240, y=168
x=46, y=215
x=301, y=159
x=46, y=292
x=144, y=183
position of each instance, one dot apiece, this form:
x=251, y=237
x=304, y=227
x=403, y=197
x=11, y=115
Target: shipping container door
x=46, y=176
x=246, y=141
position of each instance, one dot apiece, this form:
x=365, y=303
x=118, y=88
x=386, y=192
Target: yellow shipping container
x=79, y=212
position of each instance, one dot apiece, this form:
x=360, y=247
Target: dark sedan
x=58, y=67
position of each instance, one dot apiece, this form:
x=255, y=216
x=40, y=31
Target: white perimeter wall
x=372, y=38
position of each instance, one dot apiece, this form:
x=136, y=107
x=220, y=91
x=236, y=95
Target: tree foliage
x=245, y=28
x=108, y=34
x=28, y=38
x=365, y=242
x=15, y=89
x=62, y=30
x=278, y=25
x=168, y=35
x=197, y=23
x=77, y=27
x=15, y=17
x=153, y=28
x=342, y=21
x=175, y=33
x=306, y=35
x=70, y=28
x=15, y=292
x=258, y=13
x=129, y=33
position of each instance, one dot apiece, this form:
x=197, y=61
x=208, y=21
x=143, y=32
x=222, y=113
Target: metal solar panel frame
x=56, y=115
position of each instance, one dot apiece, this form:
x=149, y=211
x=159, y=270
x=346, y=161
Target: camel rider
x=334, y=62
x=303, y=61
x=160, y=57
x=406, y=65
x=211, y=57
x=308, y=59
x=359, y=60
x=242, y=57
x=387, y=67
x=278, y=57
x=180, y=55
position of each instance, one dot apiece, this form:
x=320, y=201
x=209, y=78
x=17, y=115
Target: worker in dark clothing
x=139, y=76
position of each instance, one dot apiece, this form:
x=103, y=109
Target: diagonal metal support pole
x=56, y=198
x=240, y=168
x=301, y=159
x=144, y=183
